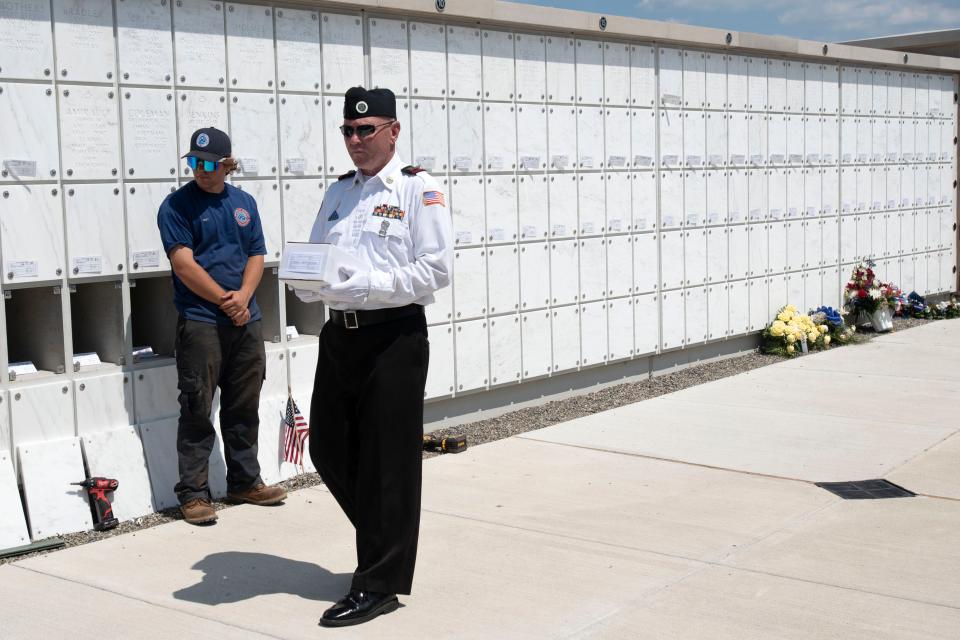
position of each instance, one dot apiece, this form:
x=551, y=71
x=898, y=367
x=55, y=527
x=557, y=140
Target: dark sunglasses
x=363, y=130
x=208, y=165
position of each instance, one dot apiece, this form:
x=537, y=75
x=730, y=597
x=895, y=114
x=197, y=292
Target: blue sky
x=829, y=20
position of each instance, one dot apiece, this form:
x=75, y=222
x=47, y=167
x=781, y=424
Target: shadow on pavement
x=233, y=576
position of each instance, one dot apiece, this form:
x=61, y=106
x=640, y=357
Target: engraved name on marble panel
x=149, y=133
x=83, y=31
x=199, y=41
x=298, y=49
x=250, y=46
x=26, y=42
x=143, y=41
x=89, y=132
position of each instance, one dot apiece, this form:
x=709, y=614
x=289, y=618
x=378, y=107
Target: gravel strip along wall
x=623, y=192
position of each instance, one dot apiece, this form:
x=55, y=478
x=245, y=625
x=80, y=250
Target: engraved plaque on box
x=83, y=32
x=250, y=46
x=143, y=41
x=26, y=43
x=89, y=131
x=200, y=43
x=298, y=50
x=149, y=133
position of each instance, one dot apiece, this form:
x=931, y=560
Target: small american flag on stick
x=295, y=431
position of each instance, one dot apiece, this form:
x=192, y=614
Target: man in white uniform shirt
x=366, y=417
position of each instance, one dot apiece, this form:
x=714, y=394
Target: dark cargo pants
x=233, y=358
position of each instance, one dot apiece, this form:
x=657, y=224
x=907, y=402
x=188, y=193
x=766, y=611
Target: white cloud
x=874, y=15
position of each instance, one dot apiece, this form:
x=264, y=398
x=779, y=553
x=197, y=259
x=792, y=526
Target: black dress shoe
x=358, y=607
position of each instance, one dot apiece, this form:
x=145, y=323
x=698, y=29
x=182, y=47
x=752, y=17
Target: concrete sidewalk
x=693, y=515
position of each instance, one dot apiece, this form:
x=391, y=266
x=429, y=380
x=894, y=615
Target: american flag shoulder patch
x=433, y=197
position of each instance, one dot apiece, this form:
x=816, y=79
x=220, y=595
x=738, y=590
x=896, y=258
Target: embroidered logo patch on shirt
x=242, y=216
x=389, y=211
x=433, y=197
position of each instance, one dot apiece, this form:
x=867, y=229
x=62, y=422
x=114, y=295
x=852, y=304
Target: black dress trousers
x=366, y=439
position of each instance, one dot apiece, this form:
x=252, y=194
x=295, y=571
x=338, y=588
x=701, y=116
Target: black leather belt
x=357, y=319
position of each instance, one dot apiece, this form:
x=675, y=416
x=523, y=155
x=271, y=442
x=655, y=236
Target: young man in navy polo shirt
x=212, y=234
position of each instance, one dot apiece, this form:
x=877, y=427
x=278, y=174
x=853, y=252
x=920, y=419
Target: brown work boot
x=260, y=495
x=198, y=511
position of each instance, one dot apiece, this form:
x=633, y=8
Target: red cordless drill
x=100, y=507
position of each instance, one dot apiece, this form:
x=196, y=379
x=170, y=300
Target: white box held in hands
x=312, y=265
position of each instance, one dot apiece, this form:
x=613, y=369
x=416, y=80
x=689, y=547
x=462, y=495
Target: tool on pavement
x=445, y=444
x=97, y=490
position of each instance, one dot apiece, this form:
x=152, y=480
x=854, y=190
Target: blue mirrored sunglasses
x=208, y=165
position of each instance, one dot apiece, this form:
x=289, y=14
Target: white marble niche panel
x=616, y=126
x=465, y=69
x=118, y=453
x=695, y=311
x=41, y=412
x=589, y=72
x=90, y=132
x=564, y=272
x=424, y=118
x=646, y=327
x=473, y=355
x=531, y=67
x=671, y=199
x=467, y=209
x=671, y=138
x=643, y=135
x=694, y=198
x=757, y=84
x=671, y=259
x=198, y=109
x=534, y=275
x=590, y=204
x=301, y=135
x=441, y=371
x=255, y=145
x=155, y=394
x=738, y=94
x=30, y=114
x=501, y=192
x=428, y=59
x=298, y=49
x=795, y=139
x=26, y=46
x=502, y=268
x=104, y=402
x=643, y=78
x=593, y=333
x=501, y=143
x=812, y=244
x=812, y=136
x=466, y=136
x=561, y=76
x=671, y=78
x=144, y=247
x=738, y=189
x=619, y=266
x=757, y=195
x=200, y=43
x=717, y=256
x=739, y=307
x=716, y=81
x=13, y=527
x=498, y=66
x=757, y=139
x=342, y=38
x=83, y=33
x=590, y=138
x=94, y=225
x=31, y=233
x=672, y=329
x=54, y=507
x=267, y=195
x=695, y=257
x=144, y=44
x=566, y=339
x=618, y=202
x=759, y=246
x=777, y=134
x=250, y=46
x=645, y=263
x=562, y=140
x=616, y=73
x=534, y=215
x=620, y=323
x=563, y=206
x=777, y=193
x=301, y=202
x=738, y=241
x=644, y=197
x=532, y=139
x=505, y=357
x=737, y=138
x=537, y=343
x=716, y=206
x=694, y=80
x=715, y=149
x=389, y=67
x=694, y=139
x=337, y=159
x=718, y=311
x=149, y=133
x=469, y=283
x=593, y=269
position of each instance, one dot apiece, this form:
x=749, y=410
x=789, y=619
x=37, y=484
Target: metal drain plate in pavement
x=866, y=490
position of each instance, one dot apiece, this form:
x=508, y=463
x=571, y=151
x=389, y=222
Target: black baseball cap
x=361, y=103
x=209, y=143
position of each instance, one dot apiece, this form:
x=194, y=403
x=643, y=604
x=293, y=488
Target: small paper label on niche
x=145, y=259
x=20, y=168
x=88, y=264
x=23, y=268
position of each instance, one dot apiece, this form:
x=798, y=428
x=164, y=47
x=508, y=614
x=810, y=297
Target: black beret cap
x=361, y=103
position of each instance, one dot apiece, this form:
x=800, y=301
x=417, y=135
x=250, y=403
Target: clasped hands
x=236, y=304
x=353, y=290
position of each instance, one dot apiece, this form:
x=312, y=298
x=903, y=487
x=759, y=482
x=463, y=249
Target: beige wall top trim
x=582, y=23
